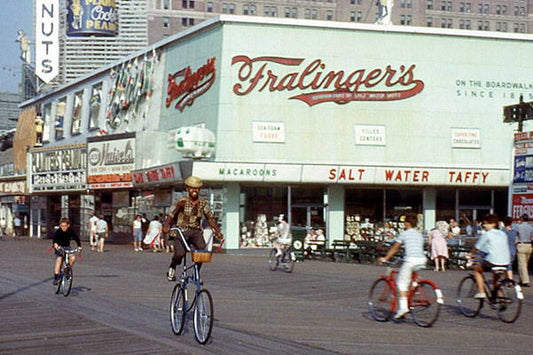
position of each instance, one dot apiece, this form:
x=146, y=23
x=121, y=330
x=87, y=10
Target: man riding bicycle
x=495, y=246
x=187, y=214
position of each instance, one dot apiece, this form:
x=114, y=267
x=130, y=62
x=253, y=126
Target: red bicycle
x=424, y=298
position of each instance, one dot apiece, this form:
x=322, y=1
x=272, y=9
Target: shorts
x=100, y=235
x=406, y=271
x=284, y=241
x=137, y=235
x=486, y=266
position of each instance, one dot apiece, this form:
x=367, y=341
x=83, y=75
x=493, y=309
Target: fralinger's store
x=340, y=127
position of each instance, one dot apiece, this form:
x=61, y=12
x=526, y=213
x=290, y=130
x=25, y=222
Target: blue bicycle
x=189, y=294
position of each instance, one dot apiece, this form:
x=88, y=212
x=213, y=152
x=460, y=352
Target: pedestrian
x=102, y=231
x=523, y=248
x=3, y=225
x=439, y=248
x=137, y=233
x=187, y=214
x=17, y=223
x=62, y=237
x=511, y=238
x=145, y=223
x=91, y=226
x=153, y=234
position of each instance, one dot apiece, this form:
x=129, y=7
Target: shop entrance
x=308, y=215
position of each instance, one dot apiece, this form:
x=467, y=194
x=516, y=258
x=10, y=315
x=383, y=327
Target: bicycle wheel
x=381, y=300
x=66, y=281
x=273, y=260
x=425, y=304
x=287, y=262
x=508, y=301
x=468, y=305
x=177, y=309
x=203, y=316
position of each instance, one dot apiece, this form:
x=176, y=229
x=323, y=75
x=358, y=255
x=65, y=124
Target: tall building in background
x=167, y=17
x=93, y=34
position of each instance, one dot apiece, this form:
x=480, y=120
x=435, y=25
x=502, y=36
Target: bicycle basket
x=201, y=256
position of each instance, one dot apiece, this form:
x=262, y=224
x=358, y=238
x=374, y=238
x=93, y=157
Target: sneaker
x=171, y=275
x=401, y=313
x=480, y=295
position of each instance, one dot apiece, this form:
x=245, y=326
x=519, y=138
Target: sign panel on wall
x=466, y=138
x=369, y=135
x=110, y=161
x=59, y=169
x=268, y=132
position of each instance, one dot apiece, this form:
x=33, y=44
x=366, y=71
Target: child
x=62, y=237
x=494, y=243
x=414, y=257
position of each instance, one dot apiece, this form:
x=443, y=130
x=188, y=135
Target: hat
x=193, y=181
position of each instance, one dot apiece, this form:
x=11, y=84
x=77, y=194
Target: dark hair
x=507, y=221
x=524, y=217
x=411, y=219
x=491, y=218
x=64, y=220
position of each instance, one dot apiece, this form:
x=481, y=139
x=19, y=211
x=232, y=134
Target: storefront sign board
x=369, y=135
x=110, y=162
x=268, y=132
x=466, y=138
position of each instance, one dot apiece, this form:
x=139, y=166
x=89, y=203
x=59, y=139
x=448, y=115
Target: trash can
x=298, y=236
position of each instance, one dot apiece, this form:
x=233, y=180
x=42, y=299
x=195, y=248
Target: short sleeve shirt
x=494, y=243
x=525, y=230
x=413, y=243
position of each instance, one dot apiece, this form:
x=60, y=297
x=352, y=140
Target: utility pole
x=520, y=112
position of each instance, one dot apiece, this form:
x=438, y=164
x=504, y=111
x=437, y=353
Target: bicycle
x=505, y=297
x=189, y=294
x=66, y=275
x=424, y=298
x=285, y=260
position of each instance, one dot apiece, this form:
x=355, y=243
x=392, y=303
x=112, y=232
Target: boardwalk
x=120, y=298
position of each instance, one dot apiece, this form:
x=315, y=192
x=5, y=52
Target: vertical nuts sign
x=47, y=39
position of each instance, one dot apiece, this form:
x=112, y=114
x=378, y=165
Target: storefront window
x=47, y=117
x=364, y=210
x=260, y=208
x=76, y=113
x=94, y=106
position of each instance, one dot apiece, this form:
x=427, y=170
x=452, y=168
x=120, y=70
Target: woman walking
x=137, y=233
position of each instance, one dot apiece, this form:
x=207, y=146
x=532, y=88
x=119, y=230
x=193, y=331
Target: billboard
x=92, y=17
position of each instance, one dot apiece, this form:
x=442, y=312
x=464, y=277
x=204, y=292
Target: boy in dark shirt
x=62, y=237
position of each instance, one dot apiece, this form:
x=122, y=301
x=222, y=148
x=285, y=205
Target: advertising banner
x=92, y=17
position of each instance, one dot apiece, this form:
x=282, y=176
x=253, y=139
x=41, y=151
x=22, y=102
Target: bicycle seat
x=499, y=269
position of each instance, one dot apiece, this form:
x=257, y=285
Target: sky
x=15, y=15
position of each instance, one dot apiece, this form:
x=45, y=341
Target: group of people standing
x=150, y=233
x=519, y=239
x=98, y=232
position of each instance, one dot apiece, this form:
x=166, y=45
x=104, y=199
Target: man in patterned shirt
x=187, y=214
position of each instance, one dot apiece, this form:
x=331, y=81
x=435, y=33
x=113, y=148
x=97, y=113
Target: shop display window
x=76, y=113
x=377, y=214
x=261, y=207
x=95, y=105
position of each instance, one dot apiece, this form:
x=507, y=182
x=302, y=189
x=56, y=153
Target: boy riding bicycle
x=62, y=237
x=414, y=257
x=496, y=248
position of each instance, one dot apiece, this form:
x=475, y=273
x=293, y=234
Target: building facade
x=347, y=140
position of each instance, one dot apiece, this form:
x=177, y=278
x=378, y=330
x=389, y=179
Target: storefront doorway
x=308, y=215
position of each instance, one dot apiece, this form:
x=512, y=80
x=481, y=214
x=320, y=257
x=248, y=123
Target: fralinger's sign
x=47, y=39
x=184, y=86
x=314, y=83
